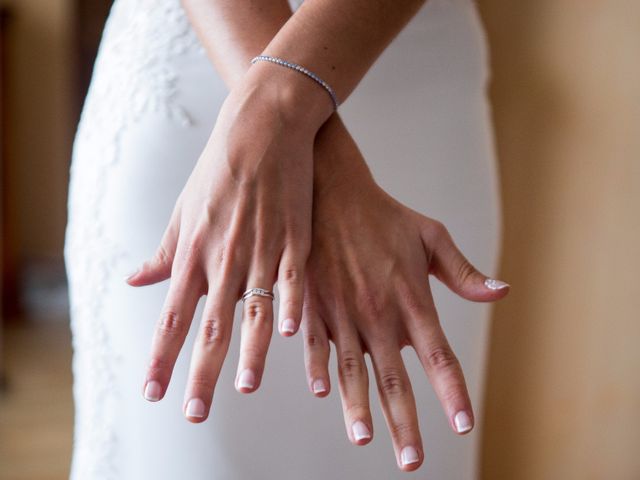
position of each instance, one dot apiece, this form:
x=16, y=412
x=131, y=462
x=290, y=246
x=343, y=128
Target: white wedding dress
x=422, y=121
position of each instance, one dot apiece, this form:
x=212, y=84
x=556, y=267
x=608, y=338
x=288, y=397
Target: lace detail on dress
x=133, y=76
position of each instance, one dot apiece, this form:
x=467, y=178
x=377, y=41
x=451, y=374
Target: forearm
x=337, y=40
x=234, y=31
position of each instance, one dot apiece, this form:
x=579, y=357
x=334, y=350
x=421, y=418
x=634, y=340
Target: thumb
x=158, y=268
x=453, y=269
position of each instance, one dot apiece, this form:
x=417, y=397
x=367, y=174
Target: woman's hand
x=367, y=291
x=243, y=220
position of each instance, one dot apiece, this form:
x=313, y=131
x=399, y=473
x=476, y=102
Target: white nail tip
x=360, y=431
x=246, y=379
x=409, y=455
x=152, y=391
x=319, y=386
x=493, y=284
x=463, y=422
x=195, y=408
x=288, y=326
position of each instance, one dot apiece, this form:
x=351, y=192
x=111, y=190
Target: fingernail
x=131, y=275
x=463, y=422
x=360, y=431
x=319, y=386
x=246, y=379
x=195, y=408
x=409, y=455
x=288, y=326
x=152, y=391
x=493, y=284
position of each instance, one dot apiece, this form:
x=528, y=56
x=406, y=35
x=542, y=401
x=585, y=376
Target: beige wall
x=563, y=397
x=40, y=111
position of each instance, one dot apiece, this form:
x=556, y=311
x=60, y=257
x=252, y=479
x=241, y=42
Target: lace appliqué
x=134, y=75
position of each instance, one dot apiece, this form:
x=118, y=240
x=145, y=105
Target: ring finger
x=256, y=331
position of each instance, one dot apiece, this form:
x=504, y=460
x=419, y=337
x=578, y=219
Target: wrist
x=338, y=163
x=300, y=100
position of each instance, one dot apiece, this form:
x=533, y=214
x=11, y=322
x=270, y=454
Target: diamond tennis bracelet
x=301, y=69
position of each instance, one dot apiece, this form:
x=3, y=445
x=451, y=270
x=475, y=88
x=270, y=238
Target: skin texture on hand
x=367, y=290
x=243, y=220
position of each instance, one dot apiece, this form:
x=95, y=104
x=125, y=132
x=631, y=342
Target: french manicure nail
x=195, y=408
x=288, y=326
x=462, y=421
x=319, y=386
x=152, y=391
x=493, y=284
x=246, y=379
x=409, y=455
x=131, y=275
x=360, y=431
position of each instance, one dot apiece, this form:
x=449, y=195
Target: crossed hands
x=281, y=195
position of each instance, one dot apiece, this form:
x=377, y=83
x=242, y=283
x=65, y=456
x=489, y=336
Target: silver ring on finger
x=259, y=292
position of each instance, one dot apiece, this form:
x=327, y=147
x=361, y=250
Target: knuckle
x=372, y=302
x=464, y=271
x=214, y=331
x=188, y=265
x=438, y=228
x=162, y=255
x=221, y=261
x=159, y=364
x=412, y=302
x=257, y=313
x=350, y=365
x=441, y=358
x=401, y=429
x=314, y=341
x=292, y=275
x=392, y=383
x=357, y=409
x=220, y=255
x=413, y=305
x=170, y=324
x=435, y=235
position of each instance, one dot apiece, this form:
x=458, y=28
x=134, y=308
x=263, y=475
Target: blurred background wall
x=46, y=51
x=563, y=391
x=48, y=48
x=39, y=104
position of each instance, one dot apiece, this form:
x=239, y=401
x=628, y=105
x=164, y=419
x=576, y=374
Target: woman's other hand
x=243, y=220
x=367, y=291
